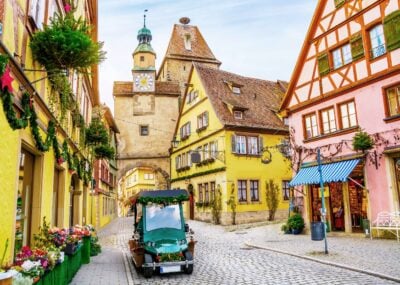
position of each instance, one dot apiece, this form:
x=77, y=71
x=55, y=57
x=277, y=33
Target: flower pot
x=6, y=279
x=70, y=248
x=296, y=231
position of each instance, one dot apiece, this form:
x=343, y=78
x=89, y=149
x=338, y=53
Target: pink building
x=347, y=79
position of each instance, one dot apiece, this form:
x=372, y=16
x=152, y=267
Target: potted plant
x=362, y=141
x=296, y=223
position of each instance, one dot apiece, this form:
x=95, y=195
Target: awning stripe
x=331, y=172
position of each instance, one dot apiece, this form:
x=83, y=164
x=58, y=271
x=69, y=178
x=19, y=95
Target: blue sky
x=255, y=38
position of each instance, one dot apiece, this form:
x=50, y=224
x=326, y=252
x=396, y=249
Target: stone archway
x=162, y=176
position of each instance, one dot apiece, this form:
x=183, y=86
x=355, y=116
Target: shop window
x=285, y=190
x=242, y=190
x=311, y=127
x=348, y=117
x=341, y=56
x=392, y=98
x=328, y=121
x=254, y=191
x=377, y=41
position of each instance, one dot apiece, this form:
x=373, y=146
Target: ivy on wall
x=29, y=117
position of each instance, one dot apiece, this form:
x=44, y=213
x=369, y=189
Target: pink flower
x=67, y=8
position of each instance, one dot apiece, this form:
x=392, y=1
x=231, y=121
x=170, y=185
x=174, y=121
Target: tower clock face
x=143, y=82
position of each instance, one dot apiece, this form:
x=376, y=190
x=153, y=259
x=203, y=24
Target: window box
x=185, y=137
x=201, y=129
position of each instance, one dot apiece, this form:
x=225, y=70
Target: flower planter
x=86, y=250
x=70, y=248
x=296, y=231
x=5, y=279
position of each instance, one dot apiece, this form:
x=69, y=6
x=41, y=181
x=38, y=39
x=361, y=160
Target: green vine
x=163, y=200
x=198, y=174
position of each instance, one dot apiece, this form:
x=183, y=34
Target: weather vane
x=144, y=17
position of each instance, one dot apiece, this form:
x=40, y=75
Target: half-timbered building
x=347, y=79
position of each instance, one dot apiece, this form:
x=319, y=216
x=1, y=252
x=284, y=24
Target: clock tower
x=144, y=59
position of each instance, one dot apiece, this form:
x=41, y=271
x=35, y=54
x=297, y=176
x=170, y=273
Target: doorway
x=191, y=201
x=24, y=200
x=358, y=203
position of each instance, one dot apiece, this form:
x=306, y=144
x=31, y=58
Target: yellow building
x=36, y=182
x=229, y=121
x=104, y=195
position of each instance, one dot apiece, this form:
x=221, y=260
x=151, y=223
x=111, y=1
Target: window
x=212, y=191
x=341, y=56
x=246, y=145
x=144, y=130
x=36, y=12
x=206, y=193
x=285, y=189
x=185, y=131
x=148, y=176
x=377, y=41
x=254, y=190
x=236, y=90
x=141, y=58
x=214, y=149
x=192, y=96
x=393, y=100
x=178, y=162
x=242, y=190
x=252, y=145
x=241, y=144
x=200, y=192
x=328, y=121
x=202, y=121
x=348, y=115
x=238, y=114
x=206, y=152
x=311, y=126
x=188, y=43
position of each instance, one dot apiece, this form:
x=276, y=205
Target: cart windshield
x=158, y=217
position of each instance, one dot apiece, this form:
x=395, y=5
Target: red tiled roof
x=199, y=48
x=260, y=99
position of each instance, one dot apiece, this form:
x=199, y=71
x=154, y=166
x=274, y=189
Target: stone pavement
x=377, y=256
x=222, y=257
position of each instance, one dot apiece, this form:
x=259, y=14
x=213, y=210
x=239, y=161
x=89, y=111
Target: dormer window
x=238, y=114
x=187, y=41
x=236, y=90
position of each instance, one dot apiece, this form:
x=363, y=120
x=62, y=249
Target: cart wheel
x=189, y=257
x=148, y=271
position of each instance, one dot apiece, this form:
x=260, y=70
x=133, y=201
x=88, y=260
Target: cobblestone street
x=227, y=256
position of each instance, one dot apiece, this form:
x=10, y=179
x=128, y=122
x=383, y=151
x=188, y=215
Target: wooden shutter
x=323, y=64
x=357, y=47
x=260, y=145
x=391, y=28
x=206, y=118
x=339, y=3
x=233, y=142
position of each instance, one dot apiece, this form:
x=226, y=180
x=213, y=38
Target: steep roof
x=259, y=99
x=199, y=51
x=122, y=88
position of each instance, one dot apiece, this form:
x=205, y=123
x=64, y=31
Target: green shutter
x=339, y=3
x=233, y=142
x=323, y=64
x=357, y=47
x=391, y=28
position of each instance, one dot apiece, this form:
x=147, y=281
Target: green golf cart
x=162, y=242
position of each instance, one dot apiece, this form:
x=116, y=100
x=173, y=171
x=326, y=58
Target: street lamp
x=174, y=143
x=323, y=209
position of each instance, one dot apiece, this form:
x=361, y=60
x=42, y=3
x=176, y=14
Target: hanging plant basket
x=66, y=44
x=104, y=151
x=96, y=133
x=362, y=141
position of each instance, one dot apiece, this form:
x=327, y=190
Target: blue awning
x=331, y=172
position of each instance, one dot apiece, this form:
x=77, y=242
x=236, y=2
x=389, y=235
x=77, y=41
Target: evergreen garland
x=162, y=200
